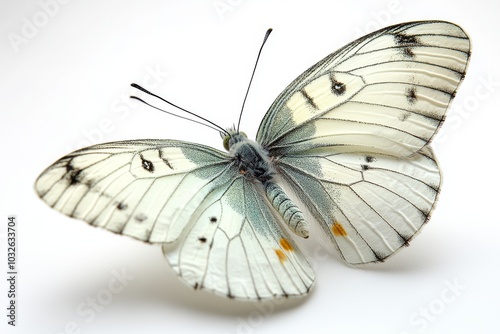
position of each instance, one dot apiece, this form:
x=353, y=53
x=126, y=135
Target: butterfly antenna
x=268, y=32
x=212, y=124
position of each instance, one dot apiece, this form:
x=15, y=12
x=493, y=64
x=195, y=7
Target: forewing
x=369, y=204
x=386, y=92
x=236, y=247
x=145, y=189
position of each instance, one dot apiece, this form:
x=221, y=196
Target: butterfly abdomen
x=291, y=214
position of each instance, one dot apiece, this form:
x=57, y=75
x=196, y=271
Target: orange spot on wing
x=338, y=230
x=281, y=255
x=285, y=244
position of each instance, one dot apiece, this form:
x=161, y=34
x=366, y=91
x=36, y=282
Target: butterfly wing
x=385, y=92
x=145, y=189
x=236, y=249
x=369, y=204
x=349, y=135
x=191, y=198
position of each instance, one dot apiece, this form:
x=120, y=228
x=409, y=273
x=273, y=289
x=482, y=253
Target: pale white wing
x=145, y=189
x=350, y=134
x=369, y=204
x=219, y=227
x=386, y=92
x=236, y=248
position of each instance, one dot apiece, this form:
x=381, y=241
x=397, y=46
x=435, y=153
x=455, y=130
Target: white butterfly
x=350, y=136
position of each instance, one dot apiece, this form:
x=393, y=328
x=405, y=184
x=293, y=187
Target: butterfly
x=349, y=137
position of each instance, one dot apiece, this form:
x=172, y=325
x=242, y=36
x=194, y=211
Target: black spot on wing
x=213, y=219
x=309, y=99
x=338, y=88
x=147, y=165
x=202, y=239
x=402, y=39
x=408, y=53
x=404, y=239
x=380, y=256
x=411, y=95
x=75, y=176
x=121, y=206
x=165, y=160
x=69, y=165
x=369, y=158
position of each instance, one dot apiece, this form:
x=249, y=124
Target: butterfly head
x=231, y=137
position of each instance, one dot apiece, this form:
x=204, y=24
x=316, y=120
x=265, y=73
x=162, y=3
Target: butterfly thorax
x=252, y=159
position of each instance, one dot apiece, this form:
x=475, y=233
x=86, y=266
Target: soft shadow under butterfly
x=350, y=136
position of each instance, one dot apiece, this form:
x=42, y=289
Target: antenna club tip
x=268, y=32
x=140, y=88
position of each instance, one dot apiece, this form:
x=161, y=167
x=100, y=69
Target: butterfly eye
x=236, y=137
x=225, y=142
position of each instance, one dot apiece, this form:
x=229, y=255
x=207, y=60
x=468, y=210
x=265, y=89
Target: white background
x=65, y=70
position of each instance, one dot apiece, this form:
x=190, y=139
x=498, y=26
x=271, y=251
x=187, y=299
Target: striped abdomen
x=291, y=214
